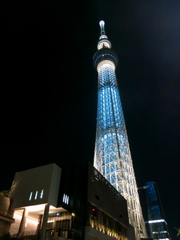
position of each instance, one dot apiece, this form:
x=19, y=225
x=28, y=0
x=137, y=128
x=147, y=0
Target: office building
x=156, y=224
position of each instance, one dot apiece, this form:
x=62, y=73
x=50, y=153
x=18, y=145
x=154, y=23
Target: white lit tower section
x=112, y=157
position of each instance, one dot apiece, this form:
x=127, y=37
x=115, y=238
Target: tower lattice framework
x=112, y=157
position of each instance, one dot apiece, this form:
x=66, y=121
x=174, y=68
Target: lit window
x=30, y=196
x=41, y=194
x=65, y=199
x=36, y=195
x=156, y=221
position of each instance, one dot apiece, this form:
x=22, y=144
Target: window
x=97, y=197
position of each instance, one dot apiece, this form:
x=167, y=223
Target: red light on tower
x=154, y=182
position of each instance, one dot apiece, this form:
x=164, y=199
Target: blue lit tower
x=156, y=224
x=112, y=155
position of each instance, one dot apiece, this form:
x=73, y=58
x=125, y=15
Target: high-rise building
x=112, y=157
x=156, y=224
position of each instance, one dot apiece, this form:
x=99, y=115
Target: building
x=156, y=224
x=112, y=157
x=53, y=203
x=6, y=214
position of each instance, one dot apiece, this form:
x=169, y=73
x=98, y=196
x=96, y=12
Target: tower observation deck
x=112, y=157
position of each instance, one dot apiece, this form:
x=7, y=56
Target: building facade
x=6, y=214
x=156, y=224
x=112, y=157
x=56, y=204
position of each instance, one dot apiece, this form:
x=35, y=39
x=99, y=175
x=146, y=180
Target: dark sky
x=49, y=86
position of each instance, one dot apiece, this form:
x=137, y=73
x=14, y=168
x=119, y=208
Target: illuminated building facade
x=156, y=224
x=112, y=157
x=48, y=202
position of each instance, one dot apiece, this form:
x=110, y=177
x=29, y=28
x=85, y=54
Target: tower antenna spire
x=102, y=28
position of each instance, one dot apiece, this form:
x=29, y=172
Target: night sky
x=49, y=86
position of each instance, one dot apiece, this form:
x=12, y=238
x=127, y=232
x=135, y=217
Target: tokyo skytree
x=112, y=157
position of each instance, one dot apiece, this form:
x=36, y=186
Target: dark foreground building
x=153, y=213
x=50, y=203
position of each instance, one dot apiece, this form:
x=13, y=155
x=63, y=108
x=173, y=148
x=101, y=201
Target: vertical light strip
x=41, y=195
x=30, y=196
x=36, y=195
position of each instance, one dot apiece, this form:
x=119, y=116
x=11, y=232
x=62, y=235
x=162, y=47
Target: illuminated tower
x=112, y=157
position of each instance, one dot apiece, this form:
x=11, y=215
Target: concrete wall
x=4, y=205
x=4, y=227
x=5, y=215
x=36, y=186
x=93, y=234
x=15, y=226
x=131, y=233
